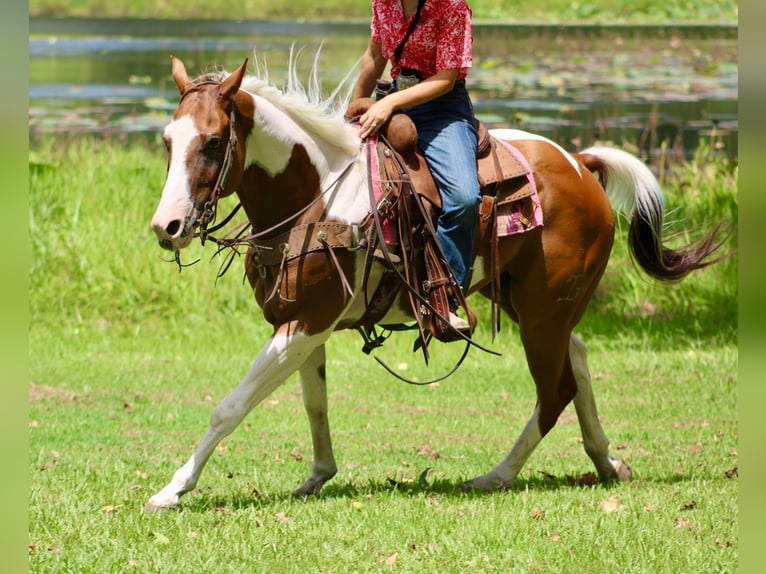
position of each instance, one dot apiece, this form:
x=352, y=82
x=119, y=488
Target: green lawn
x=128, y=358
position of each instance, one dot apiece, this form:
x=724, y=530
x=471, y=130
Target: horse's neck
x=287, y=168
x=275, y=134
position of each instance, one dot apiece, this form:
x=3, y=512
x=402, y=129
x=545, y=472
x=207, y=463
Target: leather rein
x=352, y=237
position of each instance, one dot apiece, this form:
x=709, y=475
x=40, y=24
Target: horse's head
x=204, y=162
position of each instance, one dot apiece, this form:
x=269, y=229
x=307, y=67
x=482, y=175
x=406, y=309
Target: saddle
x=408, y=203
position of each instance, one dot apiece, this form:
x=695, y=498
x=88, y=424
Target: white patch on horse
x=271, y=142
x=511, y=135
x=351, y=202
x=176, y=201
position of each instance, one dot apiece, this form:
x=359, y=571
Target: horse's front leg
x=314, y=385
x=283, y=353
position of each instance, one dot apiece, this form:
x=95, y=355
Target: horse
x=295, y=161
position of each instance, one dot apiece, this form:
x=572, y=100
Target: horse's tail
x=633, y=189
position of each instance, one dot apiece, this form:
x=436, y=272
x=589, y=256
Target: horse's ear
x=179, y=74
x=231, y=84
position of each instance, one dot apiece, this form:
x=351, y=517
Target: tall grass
x=128, y=358
x=96, y=262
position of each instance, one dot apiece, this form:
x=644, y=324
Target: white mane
x=322, y=117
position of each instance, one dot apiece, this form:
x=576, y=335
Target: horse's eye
x=213, y=144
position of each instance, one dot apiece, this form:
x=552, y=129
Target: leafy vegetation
x=597, y=11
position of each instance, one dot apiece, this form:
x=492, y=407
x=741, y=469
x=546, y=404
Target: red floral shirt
x=441, y=40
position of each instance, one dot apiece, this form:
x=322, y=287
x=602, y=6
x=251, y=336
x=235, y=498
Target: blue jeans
x=447, y=136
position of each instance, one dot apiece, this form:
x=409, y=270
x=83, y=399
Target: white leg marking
x=279, y=358
x=503, y=475
x=314, y=386
x=594, y=440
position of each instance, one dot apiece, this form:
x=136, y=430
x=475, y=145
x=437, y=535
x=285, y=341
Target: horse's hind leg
x=595, y=441
x=546, y=356
x=314, y=385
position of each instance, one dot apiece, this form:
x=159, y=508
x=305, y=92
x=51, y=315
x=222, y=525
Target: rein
x=352, y=238
x=412, y=291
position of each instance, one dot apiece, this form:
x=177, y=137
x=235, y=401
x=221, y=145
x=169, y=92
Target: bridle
x=205, y=212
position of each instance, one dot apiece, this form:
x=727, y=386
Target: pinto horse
x=294, y=160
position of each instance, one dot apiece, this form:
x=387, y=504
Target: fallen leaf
x=732, y=473
x=587, y=479
x=537, y=514
x=555, y=536
x=611, y=505
x=691, y=505
x=681, y=523
x=391, y=560
x=428, y=451
x=282, y=517
x=110, y=508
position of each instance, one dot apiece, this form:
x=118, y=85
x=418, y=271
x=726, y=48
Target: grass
x=591, y=11
x=128, y=357
x=122, y=417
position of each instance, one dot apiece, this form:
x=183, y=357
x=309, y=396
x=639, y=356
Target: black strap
x=400, y=48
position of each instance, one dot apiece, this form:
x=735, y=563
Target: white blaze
x=176, y=200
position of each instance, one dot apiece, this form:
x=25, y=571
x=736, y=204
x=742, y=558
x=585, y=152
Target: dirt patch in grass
x=44, y=392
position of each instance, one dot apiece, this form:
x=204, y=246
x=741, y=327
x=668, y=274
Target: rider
x=429, y=65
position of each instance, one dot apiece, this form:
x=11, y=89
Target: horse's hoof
x=315, y=482
x=484, y=483
x=622, y=470
x=309, y=488
x=153, y=507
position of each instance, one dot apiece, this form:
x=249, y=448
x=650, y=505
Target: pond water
x=641, y=86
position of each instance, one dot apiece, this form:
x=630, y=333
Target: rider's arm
x=372, y=67
x=379, y=113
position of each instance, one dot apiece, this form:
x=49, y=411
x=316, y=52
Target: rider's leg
x=447, y=136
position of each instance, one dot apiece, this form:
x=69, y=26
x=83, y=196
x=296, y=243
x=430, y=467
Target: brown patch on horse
x=270, y=205
x=306, y=288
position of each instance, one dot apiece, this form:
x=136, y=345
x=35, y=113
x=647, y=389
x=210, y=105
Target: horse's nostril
x=173, y=227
